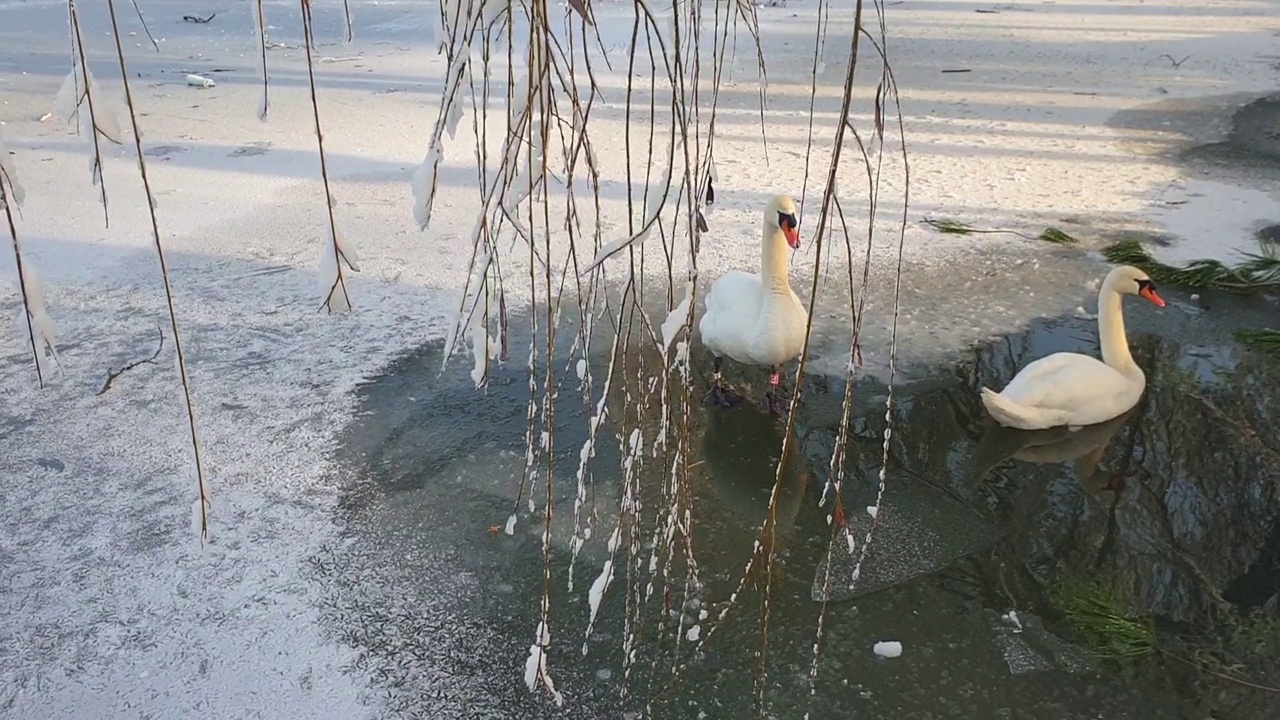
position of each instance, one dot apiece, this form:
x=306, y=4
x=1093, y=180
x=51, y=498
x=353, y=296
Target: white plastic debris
x=872, y=510
x=888, y=648
x=199, y=81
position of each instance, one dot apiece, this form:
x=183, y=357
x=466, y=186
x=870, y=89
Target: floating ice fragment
x=887, y=648
x=872, y=510
x=694, y=633
x=1011, y=618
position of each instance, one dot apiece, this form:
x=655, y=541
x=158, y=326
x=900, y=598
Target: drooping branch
x=39, y=326
x=202, y=500
x=339, y=251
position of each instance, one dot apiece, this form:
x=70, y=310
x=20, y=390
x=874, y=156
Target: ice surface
x=1214, y=220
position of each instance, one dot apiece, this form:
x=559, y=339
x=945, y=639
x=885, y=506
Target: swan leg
x=719, y=396
x=774, y=404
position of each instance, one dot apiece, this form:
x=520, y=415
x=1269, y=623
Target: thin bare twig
x=113, y=374
x=260, y=25
x=145, y=29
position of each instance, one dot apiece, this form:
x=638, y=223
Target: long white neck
x=773, y=261
x=1115, y=344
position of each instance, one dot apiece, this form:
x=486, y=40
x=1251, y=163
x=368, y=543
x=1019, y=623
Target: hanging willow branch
x=40, y=331
x=338, y=251
x=201, y=505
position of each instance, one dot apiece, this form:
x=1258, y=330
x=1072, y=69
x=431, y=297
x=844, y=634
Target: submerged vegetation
x=1265, y=341
x=1099, y=612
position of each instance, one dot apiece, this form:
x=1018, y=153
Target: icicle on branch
x=80, y=90
x=202, y=502
x=40, y=328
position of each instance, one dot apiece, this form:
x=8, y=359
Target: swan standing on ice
x=758, y=319
x=1073, y=389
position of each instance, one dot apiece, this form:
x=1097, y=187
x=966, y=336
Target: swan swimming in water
x=757, y=319
x=1073, y=389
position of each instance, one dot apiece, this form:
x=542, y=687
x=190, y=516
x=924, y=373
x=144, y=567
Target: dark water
x=440, y=610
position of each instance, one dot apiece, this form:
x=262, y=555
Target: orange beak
x=793, y=237
x=1150, y=295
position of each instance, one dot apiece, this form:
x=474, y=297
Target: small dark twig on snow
x=113, y=374
x=199, y=20
x=1176, y=63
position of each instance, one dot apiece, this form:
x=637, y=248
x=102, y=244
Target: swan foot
x=775, y=405
x=721, y=397
x=1116, y=484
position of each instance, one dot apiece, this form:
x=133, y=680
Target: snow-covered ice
x=109, y=607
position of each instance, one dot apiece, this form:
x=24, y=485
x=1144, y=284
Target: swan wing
x=1085, y=388
x=732, y=309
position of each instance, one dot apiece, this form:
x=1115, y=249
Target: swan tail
x=1011, y=414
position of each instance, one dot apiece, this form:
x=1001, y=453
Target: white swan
x=757, y=319
x=1073, y=389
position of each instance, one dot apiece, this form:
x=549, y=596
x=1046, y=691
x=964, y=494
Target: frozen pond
x=440, y=608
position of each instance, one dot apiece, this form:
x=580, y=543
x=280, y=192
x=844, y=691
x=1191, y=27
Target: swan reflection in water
x=1084, y=446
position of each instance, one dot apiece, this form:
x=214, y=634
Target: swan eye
x=1146, y=285
x=787, y=221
